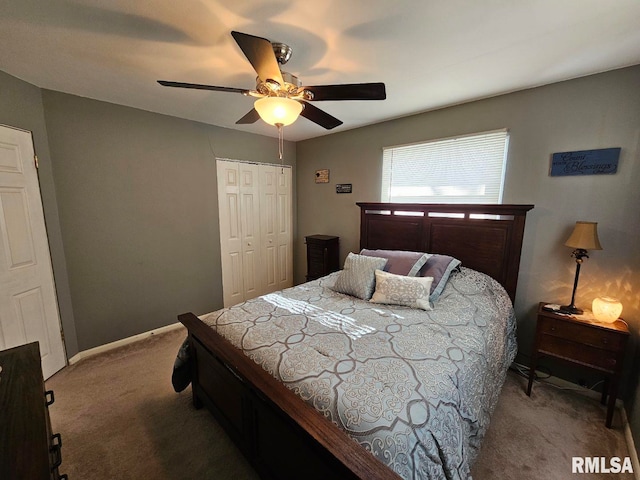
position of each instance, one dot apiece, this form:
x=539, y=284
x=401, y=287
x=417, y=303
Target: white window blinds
x=467, y=169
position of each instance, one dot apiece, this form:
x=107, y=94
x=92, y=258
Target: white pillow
x=401, y=290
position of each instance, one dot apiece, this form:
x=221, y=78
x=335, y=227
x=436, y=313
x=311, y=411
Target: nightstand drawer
x=583, y=333
x=578, y=353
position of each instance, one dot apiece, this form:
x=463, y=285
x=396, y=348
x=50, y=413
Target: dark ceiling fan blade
x=320, y=117
x=348, y=91
x=259, y=52
x=251, y=117
x=198, y=86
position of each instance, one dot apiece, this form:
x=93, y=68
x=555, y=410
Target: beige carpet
x=533, y=438
x=120, y=419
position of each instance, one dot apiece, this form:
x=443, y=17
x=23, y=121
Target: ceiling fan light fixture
x=284, y=96
x=278, y=110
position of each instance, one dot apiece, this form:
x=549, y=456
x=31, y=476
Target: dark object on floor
x=181, y=376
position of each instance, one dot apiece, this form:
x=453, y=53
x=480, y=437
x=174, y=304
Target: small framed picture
x=322, y=176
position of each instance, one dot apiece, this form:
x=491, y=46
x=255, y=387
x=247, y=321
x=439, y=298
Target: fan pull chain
x=280, y=145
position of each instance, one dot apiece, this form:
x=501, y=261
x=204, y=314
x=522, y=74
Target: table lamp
x=584, y=237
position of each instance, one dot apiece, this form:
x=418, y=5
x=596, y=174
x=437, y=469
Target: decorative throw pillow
x=400, y=262
x=439, y=267
x=358, y=278
x=402, y=290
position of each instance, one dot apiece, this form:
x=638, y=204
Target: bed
x=333, y=386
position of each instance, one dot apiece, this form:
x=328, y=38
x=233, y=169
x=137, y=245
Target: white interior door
x=230, y=232
x=28, y=303
x=256, y=239
x=284, y=237
x=250, y=229
x=269, y=226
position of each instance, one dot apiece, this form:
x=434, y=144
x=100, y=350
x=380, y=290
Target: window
x=466, y=169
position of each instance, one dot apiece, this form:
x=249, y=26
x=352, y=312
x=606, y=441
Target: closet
x=256, y=241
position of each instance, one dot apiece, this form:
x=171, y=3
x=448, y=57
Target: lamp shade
x=584, y=236
x=606, y=309
x=278, y=110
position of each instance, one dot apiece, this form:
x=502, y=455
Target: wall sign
x=585, y=162
x=322, y=176
x=343, y=188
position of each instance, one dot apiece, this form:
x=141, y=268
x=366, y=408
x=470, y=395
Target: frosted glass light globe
x=278, y=110
x=606, y=309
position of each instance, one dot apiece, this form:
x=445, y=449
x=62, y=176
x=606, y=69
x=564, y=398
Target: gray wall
x=138, y=209
x=592, y=112
x=136, y=200
x=21, y=106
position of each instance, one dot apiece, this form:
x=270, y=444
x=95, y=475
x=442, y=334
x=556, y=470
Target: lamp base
x=571, y=309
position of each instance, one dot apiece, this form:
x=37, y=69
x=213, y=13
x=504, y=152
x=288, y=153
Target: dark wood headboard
x=487, y=238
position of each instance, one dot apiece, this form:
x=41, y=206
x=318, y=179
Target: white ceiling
x=429, y=53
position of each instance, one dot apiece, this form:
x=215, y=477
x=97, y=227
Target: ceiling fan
x=281, y=96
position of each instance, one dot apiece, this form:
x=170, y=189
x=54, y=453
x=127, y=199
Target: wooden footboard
x=281, y=435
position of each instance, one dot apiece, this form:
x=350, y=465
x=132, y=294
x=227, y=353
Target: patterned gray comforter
x=414, y=387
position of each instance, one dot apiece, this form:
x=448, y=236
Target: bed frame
x=281, y=435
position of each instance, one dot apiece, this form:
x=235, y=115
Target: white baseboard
x=119, y=343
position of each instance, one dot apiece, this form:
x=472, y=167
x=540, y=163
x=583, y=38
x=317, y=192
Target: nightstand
x=322, y=255
x=599, y=346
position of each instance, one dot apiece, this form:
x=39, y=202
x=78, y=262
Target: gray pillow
x=358, y=276
x=400, y=262
x=439, y=267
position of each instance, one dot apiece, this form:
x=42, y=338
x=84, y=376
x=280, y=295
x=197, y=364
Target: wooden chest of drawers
x=28, y=449
x=322, y=255
x=598, y=346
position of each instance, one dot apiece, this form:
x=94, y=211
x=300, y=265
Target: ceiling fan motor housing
x=291, y=88
x=283, y=52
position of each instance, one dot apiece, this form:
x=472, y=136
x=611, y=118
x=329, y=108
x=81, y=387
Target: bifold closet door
x=256, y=238
x=276, y=227
x=230, y=235
x=284, y=228
x=269, y=226
x=252, y=277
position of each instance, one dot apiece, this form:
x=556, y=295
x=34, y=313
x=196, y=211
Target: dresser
x=323, y=252
x=598, y=346
x=28, y=448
